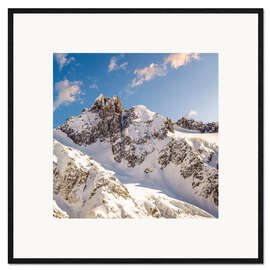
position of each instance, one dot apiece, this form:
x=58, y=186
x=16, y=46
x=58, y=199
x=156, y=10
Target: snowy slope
x=83, y=188
x=209, y=137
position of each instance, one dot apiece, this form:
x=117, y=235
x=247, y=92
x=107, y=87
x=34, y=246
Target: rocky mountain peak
x=100, y=97
x=107, y=106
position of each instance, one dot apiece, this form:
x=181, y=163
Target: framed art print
x=135, y=136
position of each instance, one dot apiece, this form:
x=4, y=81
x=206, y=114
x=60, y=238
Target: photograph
x=135, y=135
x=116, y=118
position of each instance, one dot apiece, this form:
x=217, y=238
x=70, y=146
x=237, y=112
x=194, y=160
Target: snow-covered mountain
x=148, y=155
x=83, y=188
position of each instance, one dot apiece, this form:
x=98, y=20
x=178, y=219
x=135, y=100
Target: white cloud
x=148, y=73
x=129, y=92
x=123, y=65
x=63, y=60
x=114, y=66
x=94, y=85
x=67, y=92
x=191, y=113
x=177, y=60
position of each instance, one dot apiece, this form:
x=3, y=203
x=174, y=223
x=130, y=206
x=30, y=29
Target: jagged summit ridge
x=192, y=124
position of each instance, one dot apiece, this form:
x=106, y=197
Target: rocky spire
x=100, y=97
x=110, y=113
x=107, y=105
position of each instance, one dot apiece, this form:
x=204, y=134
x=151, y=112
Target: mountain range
x=112, y=162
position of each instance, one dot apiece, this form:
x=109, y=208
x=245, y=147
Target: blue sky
x=174, y=85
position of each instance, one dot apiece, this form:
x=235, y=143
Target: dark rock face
x=197, y=125
x=192, y=164
x=106, y=106
x=127, y=151
x=206, y=180
x=107, y=125
x=174, y=152
x=169, y=125
x=211, y=127
x=128, y=117
x=110, y=113
x=148, y=170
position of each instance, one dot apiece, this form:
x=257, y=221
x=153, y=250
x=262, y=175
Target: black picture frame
x=13, y=260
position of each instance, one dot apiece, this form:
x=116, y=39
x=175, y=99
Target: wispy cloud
x=191, y=113
x=123, y=65
x=112, y=64
x=174, y=60
x=94, y=86
x=115, y=66
x=129, y=92
x=63, y=60
x=177, y=60
x=148, y=73
x=67, y=92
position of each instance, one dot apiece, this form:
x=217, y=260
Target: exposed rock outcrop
x=191, y=124
x=102, y=121
x=193, y=164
